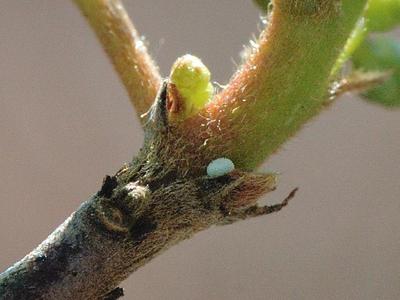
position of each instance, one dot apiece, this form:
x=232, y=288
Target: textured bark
x=96, y=248
x=164, y=195
x=148, y=206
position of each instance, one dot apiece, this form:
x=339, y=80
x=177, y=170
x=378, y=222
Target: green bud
x=192, y=81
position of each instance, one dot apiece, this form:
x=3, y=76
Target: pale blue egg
x=219, y=167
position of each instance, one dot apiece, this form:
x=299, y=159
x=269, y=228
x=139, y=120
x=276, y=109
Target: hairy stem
x=125, y=48
x=283, y=83
x=164, y=195
x=148, y=206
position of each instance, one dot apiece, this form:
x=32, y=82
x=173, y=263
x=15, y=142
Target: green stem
x=285, y=81
x=357, y=37
x=124, y=47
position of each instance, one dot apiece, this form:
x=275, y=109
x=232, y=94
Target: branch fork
x=164, y=195
x=137, y=214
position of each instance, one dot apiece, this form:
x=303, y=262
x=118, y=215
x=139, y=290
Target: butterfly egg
x=192, y=81
x=220, y=167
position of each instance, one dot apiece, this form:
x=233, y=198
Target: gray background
x=65, y=122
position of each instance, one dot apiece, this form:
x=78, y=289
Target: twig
x=136, y=215
x=125, y=48
x=163, y=196
x=282, y=85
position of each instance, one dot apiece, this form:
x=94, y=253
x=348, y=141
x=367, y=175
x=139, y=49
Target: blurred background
x=66, y=121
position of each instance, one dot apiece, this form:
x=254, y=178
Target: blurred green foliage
x=382, y=15
x=372, y=53
x=381, y=53
x=263, y=4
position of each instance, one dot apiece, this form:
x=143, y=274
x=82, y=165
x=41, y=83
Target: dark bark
x=148, y=206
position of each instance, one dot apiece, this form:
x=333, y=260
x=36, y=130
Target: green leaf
x=379, y=16
x=263, y=4
x=383, y=15
x=381, y=54
x=356, y=39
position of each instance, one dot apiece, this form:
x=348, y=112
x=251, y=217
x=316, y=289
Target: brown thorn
x=256, y=211
x=289, y=197
x=265, y=210
x=115, y=294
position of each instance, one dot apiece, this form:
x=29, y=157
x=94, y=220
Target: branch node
x=109, y=184
x=256, y=211
x=245, y=189
x=124, y=208
x=157, y=115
